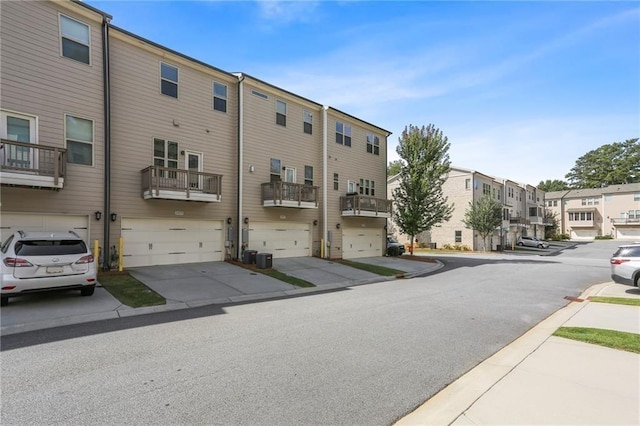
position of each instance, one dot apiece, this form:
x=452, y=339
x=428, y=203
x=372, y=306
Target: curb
x=451, y=402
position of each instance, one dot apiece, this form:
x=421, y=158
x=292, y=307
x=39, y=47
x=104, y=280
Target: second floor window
x=367, y=187
x=373, y=144
x=275, y=170
x=486, y=188
x=168, y=80
x=219, y=97
x=336, y=180
x=308, y=175
x=75, y=39
x=165, y=154
x=79, y=140
x=343, y=134
x=281, y=113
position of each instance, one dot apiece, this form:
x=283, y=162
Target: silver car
x=532, y=242
x=39, y=261
x=625, y=265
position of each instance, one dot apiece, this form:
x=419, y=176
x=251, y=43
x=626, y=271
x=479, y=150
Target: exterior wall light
x=98, y=214
x=114, y=217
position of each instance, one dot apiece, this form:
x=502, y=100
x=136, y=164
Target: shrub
x=448, y=247
x=604, y=237
x=559, y=237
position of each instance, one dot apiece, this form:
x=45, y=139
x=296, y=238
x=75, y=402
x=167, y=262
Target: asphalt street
x=367, y=355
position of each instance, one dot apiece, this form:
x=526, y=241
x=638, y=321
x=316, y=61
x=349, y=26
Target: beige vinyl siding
x=352, y=163
x=264, y=139
x=454, y=189
x=38, y=81
x=141, y=113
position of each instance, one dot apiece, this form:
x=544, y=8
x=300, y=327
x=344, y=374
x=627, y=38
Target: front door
x=18, y=128
x=194, y=164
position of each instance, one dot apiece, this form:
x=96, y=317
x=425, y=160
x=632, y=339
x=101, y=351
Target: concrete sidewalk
x=543, y=379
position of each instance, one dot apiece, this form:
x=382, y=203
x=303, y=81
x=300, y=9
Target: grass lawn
x=612, y=339
x=130, y=291
x=298, y=282
x=380, y=270
x=273, y=273
x=616, y=300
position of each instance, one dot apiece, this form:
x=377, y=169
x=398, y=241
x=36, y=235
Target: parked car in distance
x=394, y=248
x=532, y=242
x=40, y=261
x=625, y=265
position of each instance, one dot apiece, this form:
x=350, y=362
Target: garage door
x=361, y=242
x=583, y=234
x=11, y=222
x=280, y=239
x=168, y=241
x=628, y=234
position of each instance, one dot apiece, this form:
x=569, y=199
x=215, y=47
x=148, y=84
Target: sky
x=520, y=89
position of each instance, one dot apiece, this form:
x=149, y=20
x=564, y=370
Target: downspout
x=106, y=264
x=240, y=162
x=325, y=174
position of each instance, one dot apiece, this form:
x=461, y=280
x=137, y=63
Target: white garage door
x=628, y=234
x=583, y=234
x=361, y=242
x=280, y=239
x=11, y=222
x=168, y=241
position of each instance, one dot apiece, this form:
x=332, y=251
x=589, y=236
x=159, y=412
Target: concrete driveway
x=207, y=283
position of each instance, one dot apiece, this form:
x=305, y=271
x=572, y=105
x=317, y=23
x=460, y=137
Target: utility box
x=249, y=256
x=264, y=260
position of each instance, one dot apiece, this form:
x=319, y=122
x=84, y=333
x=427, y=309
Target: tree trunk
x=411, y=246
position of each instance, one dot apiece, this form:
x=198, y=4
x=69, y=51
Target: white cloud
x=284, y=12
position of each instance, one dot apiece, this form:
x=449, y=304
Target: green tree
x=553, y=185
x=551, y=224
x=420, y=204
x=484, y=217
x=612, y=164
x=394, y=168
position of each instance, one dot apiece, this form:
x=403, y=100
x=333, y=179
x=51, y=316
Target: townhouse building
x=522, y=206
x=584, y=214
x=114, y=136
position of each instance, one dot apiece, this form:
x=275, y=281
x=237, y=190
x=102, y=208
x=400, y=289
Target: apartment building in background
x=584, y=214
x=522, y=206
x=112, y=135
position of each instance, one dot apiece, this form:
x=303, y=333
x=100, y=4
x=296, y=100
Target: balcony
x=362, y=205
x=625, y=221
x=177, y=184
x=580, y=223
x=32, y=165
x=537, y=220
x=519, y=222
x=287, y=194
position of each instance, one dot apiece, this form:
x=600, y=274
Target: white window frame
x=336, y=181
x=177, y=82
x=166, y=158
x=307, y=118
x=225, y=99
x=373, y=144
x=92, y=143
x=33, y=135
x=345, y=133
x=61, y=36
x=279, y=114
x=306, y=179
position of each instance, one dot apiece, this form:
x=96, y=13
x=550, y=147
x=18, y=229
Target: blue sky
x=521, y=89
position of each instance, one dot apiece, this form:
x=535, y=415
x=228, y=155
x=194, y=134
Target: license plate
x=54, y=269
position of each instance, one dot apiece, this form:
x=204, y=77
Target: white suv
x=625, y=265
x=39, y=261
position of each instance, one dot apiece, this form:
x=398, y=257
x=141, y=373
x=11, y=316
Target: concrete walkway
x=543, y=379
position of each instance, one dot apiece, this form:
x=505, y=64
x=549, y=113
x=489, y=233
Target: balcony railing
x=32, y=165
x=536, y=220
x=519, y=221
x=625, y=221
x=178, y=184
x=362, y=205
x=288, y=194
x=580, y=223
